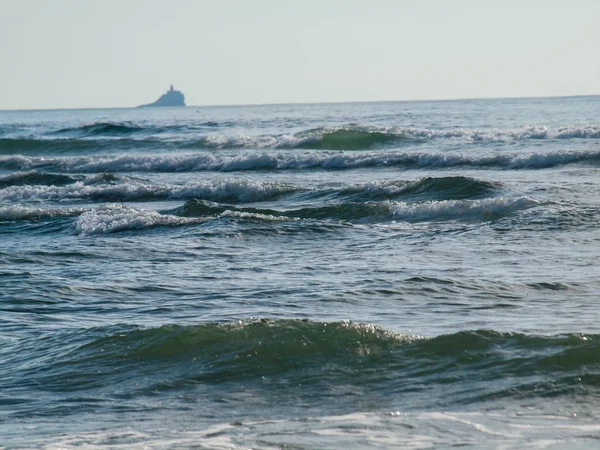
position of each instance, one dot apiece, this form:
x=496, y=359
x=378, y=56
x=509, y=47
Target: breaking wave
x=485, y=210
x=286, y=160
x=107, y=187
x=364, y=138
x=112, y=218
x=444, y=188
x=350, y=137
x=225, y=190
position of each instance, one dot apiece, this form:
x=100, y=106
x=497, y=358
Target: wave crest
x=34, y=177
x=313, y=354
x=106, y=189
x=485, y=209
x=112, y=218
x=287, y=160
x=102, y=129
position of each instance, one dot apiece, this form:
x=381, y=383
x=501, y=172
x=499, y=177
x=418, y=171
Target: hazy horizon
x=314, y=103
x=70, y=54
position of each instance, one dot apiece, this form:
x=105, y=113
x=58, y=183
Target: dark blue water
x=385, y=275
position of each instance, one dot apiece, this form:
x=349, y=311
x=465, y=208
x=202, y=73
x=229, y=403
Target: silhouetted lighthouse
x=171, y=98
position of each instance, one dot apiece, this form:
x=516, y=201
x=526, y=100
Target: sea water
x=368, y=275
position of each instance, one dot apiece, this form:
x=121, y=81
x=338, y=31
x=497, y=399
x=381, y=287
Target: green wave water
x=304, y=357
x=347, y=139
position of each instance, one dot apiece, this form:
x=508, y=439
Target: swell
x=102, y=129
x=343, y=139
x=34, y=177
x=429, y=188
x=127, y=136
x=17, y=213
x=371, y=212
x=349, y=137
x=111, y=218
x=116, y=129
x=471, y=365
x=39, y=186
x=363, y=138
x=109, y=188
x=292, y=160
x=19, y=146
x=426, y=199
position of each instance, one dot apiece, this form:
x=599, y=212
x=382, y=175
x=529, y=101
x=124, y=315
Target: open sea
x=364, y=275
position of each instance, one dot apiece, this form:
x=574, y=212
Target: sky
x=121, y=53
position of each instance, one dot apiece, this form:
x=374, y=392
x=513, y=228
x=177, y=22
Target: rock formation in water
x=171, y=98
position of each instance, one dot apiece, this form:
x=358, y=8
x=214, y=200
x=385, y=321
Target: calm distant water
x=384, y=275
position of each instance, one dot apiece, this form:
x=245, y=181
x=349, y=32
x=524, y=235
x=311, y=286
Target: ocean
x=361, y=275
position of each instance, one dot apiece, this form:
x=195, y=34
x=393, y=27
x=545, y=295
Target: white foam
x=258, y=216
x=115, y=217
x=501, y=135
x=485, y=209
x=407, y=430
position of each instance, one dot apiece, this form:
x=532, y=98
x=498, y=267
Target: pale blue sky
x=88, y=53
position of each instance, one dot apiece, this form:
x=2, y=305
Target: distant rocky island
x=171, y=98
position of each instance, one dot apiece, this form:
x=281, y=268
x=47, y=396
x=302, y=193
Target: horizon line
x=457, y=99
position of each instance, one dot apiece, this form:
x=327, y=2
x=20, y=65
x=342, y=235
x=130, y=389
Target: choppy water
x=386, y=275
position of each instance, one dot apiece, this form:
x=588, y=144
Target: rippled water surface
x=385, y=275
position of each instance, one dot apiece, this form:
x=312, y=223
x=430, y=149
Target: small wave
x=102, y=129
x=9, y=146
x=123, y=136
x=235, y=345
x=102, y=178
x=349, y=211
x=443, y=188
x=313, y=354
x=111, y=129
x=34, y=177
x=22, y=213
x=114, y=218
x=16, y=146
x=224, y=190
x=370, y=137
x=213, y=124
x=284, y=160
x=342, y=139
x=485, y=209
